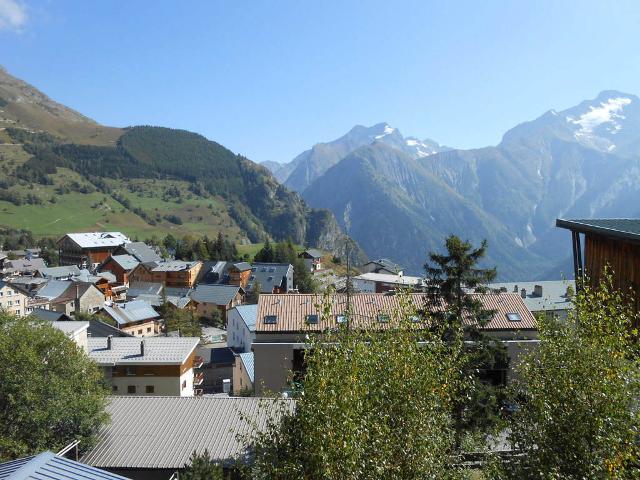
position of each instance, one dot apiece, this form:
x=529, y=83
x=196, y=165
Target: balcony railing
x=198, y=392
x=198, y=379
x=198, y=361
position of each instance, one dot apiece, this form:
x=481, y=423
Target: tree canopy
x=51, y=392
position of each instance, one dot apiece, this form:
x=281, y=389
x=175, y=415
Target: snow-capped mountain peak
x=388, y=130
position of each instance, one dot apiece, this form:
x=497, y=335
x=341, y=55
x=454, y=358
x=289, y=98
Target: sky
x=269, y=79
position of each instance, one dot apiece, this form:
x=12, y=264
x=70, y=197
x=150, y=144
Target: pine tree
x=202, y=467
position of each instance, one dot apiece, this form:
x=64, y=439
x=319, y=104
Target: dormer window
x=341, y=318
x=514, y=317
x=312, y=319
x=270, y=319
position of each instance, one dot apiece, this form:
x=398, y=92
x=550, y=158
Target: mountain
x=62, y=171
x=580, y=162
x=311, y=164
x=272, y=166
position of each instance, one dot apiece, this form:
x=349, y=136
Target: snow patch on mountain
x=388, y=130
x=608, y=112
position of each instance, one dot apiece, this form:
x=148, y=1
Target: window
x=312, y=319
x=270, y=319
x=149, y=389
x=17, y=302
x=130, y=370
x=270, y=279
x=9, y=303
x=272, y=269
x=514, y=317
x=184, y=384
x=9, y=293
x=114, y=388
x=131, y=389
x=383, y=318
x=148, y=329
x=342, y=318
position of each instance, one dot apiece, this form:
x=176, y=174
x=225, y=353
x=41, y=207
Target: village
x=183, y=392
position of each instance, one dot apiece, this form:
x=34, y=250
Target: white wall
x=364, y=286
x=162, y=385
x=238, y=335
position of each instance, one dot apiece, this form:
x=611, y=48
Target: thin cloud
x=13, y=15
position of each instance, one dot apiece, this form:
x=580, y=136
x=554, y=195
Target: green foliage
x=578, y=393
x=284, y=252
x=182, y=321
x=201, y=467
x=254, y=294
x=51, y=393
x=373, y=403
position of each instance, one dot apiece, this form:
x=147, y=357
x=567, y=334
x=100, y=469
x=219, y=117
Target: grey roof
x=554, y=294
x=88, y=277
x=101, y=329
x=127, y=262
x=222, y=355
x=70, y=327
x=312, y=252
x=130, y=312
x=269, y=275
x=59, y=272
x=141, y=251
x=215, y=294
x=387, y=264
x=157, y=350
x=624, y=228
x=54, y=289
x=163, y=432
x=248, y=314
x=48, y=466
x=247, y=361
x=50, y=315
x=24, y=265
x=144, y=288
x=242, y=266
x=98, y=239
x=174, y=266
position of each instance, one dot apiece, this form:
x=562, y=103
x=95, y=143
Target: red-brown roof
x=291, y=310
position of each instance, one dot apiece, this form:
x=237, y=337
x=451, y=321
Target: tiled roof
x=554, y=294
x=129, y=312
x=101, y=329
x=174, y=266
x=248, y=313
x=625, y=228
x=157, y=350
x=47, y=466
x=98, y=239
x=50, y=315
x=163, y=432
x=25, y=265
x=291, y=310
x=127, y=262
x=247, y=361
x=215, y=294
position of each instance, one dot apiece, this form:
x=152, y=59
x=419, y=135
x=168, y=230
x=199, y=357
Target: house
x=382, y=265
x=88, y=250
x=50, y=315
x=612, y=242
x=76, y=331
x=78, y=297
x=23, y=266
x=226, y=273
x=272, y=277
x=284, y=320
x=120, y=266
x=152, y=437
x=148, y=366
x=47, y=465
x=549, y=297
x=385, y=282
x=142, y=252
x=12, y=300
x=217, y=367
x=103, y=281
x=239, y=274
x=221, y=298
x=137, y=317
x=241, y=327
x=58, y=273
x=101, y=329
x=243, y=373
x=171, y=273
x=312, y=259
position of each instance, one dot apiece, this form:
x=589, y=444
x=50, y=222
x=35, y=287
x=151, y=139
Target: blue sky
x=269, y=79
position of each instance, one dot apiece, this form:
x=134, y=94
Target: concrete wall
x=172, y=386
x=12, y=301
x=241, y=380
x=273, y=365
x=238, y=335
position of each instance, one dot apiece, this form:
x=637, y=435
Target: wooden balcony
x=198, y=379
x=198, y=361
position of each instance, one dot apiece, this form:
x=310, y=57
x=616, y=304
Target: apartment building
x=88, y=250
x=12, y=300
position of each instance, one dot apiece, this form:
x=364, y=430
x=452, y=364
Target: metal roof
x=624, y=228
x=127, y=262
x=248, y=314
x=130, y=312
x=98, y=239
x=554, y=294
x=174, y=266
x=269, y=275
x=48, y=466
x=247, y=361
x=387, y=264
x=163, y=432
x=390, y=278
x=291, y=310
x=59, y=272
x=144, y=288
x=312, y=252
x=242, y=266
x=141, y=251
x=127, y=350
x=69, y=327
x=49, y=315
x=215, y=294
x=101, y=329
x=24, y=265
x=54, y=289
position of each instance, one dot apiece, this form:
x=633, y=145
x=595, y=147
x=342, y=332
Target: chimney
x=142, y=348
x=109, y=342
x=523, y=293
x=515, y=289
x=537, y=290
